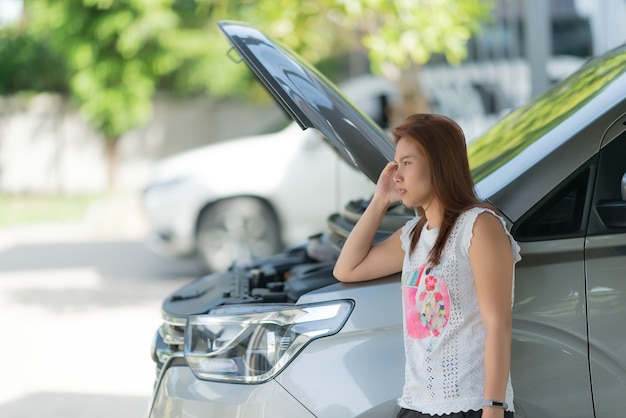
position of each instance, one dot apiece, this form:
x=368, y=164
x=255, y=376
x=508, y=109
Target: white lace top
x=444, y=336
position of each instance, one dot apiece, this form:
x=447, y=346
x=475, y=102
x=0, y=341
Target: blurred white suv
x=247, y=198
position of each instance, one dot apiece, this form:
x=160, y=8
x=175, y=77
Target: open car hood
x=312, y=100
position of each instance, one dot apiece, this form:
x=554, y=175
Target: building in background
x=606, y=18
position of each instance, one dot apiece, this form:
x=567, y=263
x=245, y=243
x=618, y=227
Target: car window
x=521, y=128
x=609, y=213
x=561, y=214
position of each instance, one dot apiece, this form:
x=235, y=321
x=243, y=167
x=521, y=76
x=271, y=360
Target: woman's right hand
x=386, y=188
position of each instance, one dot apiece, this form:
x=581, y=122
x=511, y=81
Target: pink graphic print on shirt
x=427, y=304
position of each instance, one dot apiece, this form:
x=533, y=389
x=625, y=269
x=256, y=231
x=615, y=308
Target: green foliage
x=114, y=52
x=404, y=31
x=29, y=65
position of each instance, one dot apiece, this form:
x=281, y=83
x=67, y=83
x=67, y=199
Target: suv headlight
x=251, y=344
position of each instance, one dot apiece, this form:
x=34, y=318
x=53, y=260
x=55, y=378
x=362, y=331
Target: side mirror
x=613, y=213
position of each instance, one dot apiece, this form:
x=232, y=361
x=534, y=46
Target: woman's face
x=412, y=176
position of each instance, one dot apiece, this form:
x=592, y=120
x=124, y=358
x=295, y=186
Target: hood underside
x=312, y=100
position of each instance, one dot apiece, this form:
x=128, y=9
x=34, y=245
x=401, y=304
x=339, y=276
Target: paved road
x=79, y=304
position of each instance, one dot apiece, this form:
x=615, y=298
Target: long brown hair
x=443, y=143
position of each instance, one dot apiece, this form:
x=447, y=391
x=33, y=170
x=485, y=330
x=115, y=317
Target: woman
x=457, y=261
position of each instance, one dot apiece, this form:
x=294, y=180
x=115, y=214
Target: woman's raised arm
x=360, y=260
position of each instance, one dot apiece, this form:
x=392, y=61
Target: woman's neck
x=433, y=212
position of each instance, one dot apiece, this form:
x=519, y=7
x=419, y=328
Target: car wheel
x=237, y=230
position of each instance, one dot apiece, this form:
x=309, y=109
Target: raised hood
x=311, y=99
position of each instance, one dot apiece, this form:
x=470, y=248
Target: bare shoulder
x=488, y=222
x=489, y=231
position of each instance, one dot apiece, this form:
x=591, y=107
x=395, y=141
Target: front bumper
x=181, y=394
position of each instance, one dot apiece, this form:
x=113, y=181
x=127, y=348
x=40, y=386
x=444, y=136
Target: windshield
x=521, y=128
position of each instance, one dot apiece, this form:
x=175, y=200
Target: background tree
x=114, y=54
x=117, y=53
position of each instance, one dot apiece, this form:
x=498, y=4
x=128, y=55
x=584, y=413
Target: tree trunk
x=112, y=158
x=413, y=99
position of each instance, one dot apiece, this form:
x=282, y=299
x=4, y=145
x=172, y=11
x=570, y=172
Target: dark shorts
x=407, y=413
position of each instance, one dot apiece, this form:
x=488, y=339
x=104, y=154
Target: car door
x=550, y=367
x=605, y=262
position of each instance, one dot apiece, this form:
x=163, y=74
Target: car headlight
x=251, y=344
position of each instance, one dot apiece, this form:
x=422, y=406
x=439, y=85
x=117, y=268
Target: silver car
x=281, y=337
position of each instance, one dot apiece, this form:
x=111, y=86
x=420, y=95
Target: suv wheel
x=236, y=231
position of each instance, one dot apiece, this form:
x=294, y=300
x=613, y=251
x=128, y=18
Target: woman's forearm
x=359, y=242
x=497, y=360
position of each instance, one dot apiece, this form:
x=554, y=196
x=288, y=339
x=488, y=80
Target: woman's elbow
x=342, y=275
x=339, y=274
